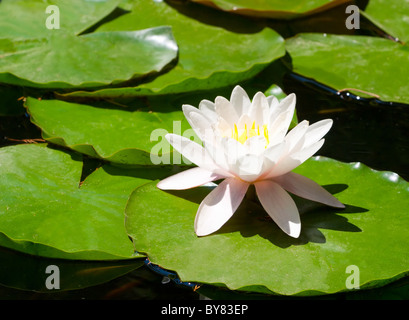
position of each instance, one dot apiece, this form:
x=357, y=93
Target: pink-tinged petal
x=225, y=110
x=240, y=100
x=187, y=179
x=192, y=151
x=316, y=131
x=259, y=109
x=279, y=206
x=307, y=189
x=219, y=206
x=293, y=160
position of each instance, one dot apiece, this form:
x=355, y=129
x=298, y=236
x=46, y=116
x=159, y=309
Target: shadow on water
x=251, y=219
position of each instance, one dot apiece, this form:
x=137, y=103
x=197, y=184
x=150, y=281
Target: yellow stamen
x=247, y=133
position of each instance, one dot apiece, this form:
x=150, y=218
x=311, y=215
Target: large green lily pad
x=34, y=55
x=250, y=252
x=115, y=135
x=366, y=66
x=273, y=8
x=391, y=16
x=209, y=57
x=46, y=210
x=131, y=135
x=91, y=60
x=26, y=19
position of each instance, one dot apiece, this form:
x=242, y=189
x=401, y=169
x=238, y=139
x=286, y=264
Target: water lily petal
x=272, y=103
x=199, y=122
x=256, y=145
x=233, y=150
x=188, y=179
x=219, y=206
x=294, y=140
x=259, y=109
x=316, y=131
x=240, y=100
x=287, y=108
x=308, y=189
x=280, y=206
x=208, y=109
x=225, y=110
x=192, y=151
x=293, y=160
x=248, y=167
x=280, y=119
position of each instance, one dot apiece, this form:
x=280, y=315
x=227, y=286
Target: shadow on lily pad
x=251, y=219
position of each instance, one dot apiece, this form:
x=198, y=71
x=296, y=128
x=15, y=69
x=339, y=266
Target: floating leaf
x=46, y=210
x=26, y=19
x=209, y=56
x=28, y=272
x=389, y=15
x=366, y=66
x=91, y=60
x=120, y=135
x=115, y=135
x=273, y=8
x=251, y=253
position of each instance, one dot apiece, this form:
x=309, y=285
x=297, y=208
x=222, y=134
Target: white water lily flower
x=246, y=142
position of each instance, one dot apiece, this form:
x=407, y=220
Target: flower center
x=247, y=133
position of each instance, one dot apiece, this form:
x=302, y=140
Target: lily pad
x=250, y=253
x=26, y=19
x=46, y=210
x=115, y=135
x=366, y=66
x=28, y=272
x=210, y=56
x=131, y=135
x=273, y=8
x=91, y=60
x=392, y=16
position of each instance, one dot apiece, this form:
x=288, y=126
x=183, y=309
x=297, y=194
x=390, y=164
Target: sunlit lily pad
x=392, y=16
x=46, y=210
x=26, y=19
x=116, y=135
x=251, y=253
x=210, y=56
x=89, y=60
x=273, y=9
x=125, y=135
x=366, y=66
